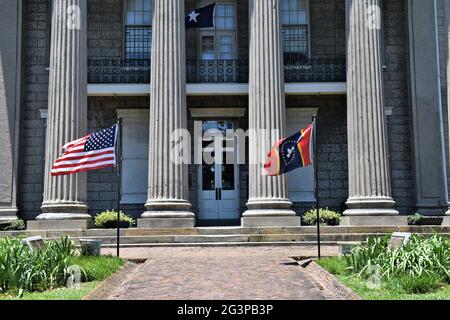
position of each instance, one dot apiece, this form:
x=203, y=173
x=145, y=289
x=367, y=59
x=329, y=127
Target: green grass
x=57, y=294
x=96, y=269
x=394, y=290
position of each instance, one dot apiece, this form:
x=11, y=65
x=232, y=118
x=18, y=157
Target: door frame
x=199, y=168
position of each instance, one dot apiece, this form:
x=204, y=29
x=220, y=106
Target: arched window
x=295, y=20
x=138, y=29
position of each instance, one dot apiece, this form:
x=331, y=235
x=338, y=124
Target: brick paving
x=210, y=273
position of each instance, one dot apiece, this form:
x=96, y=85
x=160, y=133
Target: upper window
x=138, y=29
x=219, y=42
x=295, y=19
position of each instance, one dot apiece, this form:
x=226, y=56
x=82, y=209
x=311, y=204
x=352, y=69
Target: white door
x=219, y=174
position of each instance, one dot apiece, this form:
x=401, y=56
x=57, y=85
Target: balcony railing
x=214, y=71
x=217, y=71
x=314, y=70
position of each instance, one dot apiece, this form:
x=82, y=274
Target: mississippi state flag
x=92, y=152
x=291, y=153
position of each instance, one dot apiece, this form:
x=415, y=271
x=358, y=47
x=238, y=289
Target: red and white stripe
x=75, y=159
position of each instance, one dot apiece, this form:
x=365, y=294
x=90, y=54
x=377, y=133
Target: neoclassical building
x=375, y=73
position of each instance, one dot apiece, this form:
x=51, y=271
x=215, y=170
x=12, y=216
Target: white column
x=268, y=204
x=370, y=201
x=10, y=102
x=65, y=197
x=167, y=204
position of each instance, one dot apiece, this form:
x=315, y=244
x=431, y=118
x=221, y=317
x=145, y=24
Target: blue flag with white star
x=201, y=18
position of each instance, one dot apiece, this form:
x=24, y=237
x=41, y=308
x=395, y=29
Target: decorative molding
x=307, y=88
x=217, y=112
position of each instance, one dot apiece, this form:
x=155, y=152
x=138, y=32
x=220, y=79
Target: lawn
x=389, y=290
x=96, y=269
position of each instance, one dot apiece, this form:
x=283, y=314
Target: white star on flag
x=193, y=16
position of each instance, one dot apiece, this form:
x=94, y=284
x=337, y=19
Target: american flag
x=92, y=152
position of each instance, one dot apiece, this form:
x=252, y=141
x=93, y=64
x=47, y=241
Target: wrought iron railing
x=314, y=70
x=215, y=71
x=119, y=71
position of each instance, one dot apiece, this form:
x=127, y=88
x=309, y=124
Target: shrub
x=22, y=269
x=420, y=257
x=327, y=217
x=415, y=219
x=108, y=220
x=13, y=225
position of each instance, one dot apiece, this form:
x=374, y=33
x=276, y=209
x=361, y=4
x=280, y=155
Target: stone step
x=238, y=238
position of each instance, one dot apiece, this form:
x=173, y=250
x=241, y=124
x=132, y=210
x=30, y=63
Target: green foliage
x=25, y=270
x=97, y=268
x=108, y=220
x=416, y=285
x=334, y=265
x=415, y=219
x=14, y=225
x=327, y=217
x=421, y=256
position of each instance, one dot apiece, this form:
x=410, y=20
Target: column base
x=446, y=221
x=167, y=214
x=60, y=224
x=270, y=213
x=8, y=214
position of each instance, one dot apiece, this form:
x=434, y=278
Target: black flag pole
x=316, y=185
x=119, y=174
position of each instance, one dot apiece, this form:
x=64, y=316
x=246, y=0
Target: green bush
x=13, y=225
x=327, y=217
x=108, y=220
x=420, y=257
x=23, y=269
x=415, y=219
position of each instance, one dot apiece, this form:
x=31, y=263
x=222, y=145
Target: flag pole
x=119, y=174
x=316, y=185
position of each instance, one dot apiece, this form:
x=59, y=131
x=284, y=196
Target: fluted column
x=65, y=196
x=369, y=176
x=167, y=204
x=268, y=204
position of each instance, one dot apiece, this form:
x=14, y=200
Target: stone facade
x=327, y=40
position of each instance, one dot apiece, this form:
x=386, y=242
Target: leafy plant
x=327, y=217
x=420, y=257
x=415, y=219
x=13, y=225
x=25, y=270
x=108, y=220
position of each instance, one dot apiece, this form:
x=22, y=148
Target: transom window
x=295, y=20
x=138, y=29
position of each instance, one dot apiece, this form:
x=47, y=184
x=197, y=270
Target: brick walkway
x=219, y=273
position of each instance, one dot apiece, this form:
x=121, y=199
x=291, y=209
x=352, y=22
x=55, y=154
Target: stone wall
x=332, y=149
x=35, y=97
x=396, y=84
